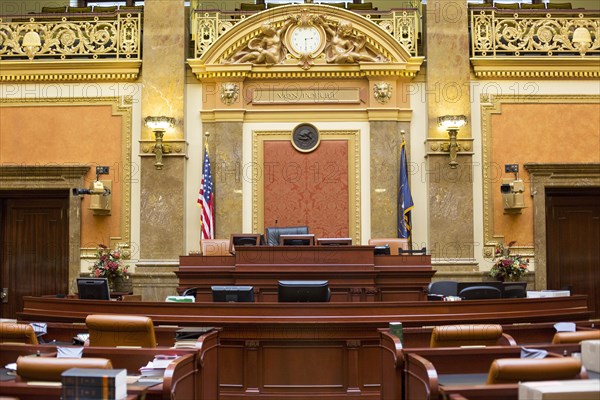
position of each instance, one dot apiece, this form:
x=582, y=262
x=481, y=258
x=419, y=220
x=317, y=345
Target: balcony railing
x=524, y=33
x=402, y=24
x=56, y=37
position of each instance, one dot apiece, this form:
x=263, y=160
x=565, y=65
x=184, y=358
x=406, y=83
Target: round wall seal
x=305, y=138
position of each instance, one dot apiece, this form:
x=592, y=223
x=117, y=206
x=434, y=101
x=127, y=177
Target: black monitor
x=382, y=250
x=307, y=239
x=233, y=294
x=480, y=290
x=243, y=239
x=303, y=291
x=93, y=288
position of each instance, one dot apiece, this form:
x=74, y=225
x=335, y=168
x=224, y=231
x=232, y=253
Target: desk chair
x=214, y=247
x=575, y=337
x=112, y=330
x=272, y=233
x=444, y=288
x=480, y=293
x=394, y=243
x=470, y=335
x=514, y=370
x=17, y=333
x=50, y=368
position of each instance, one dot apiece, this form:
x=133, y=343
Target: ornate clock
x=305, y=40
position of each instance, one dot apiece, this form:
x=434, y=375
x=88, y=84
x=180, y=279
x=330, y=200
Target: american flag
x=206, y=199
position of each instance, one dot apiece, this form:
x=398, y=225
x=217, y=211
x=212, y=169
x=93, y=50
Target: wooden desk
x=191, y=376
x=418, y=373
x=525, y=333
x=354, y=273
x=295, y=315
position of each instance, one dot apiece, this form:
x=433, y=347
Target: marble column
x=225, y=149
x=385, y=167
x=448, y=93
x=162, y=190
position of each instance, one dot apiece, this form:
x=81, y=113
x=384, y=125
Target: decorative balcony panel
x=535, y=43
x=402, y=25
x=71, y=47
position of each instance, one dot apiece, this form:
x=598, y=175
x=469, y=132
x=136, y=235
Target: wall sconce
x=582, y=40
x=452, y=123
x=159, y=125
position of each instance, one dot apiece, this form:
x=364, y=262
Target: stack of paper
x=158, y=366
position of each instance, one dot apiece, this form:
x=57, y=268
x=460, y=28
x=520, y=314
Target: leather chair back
x=272, y=233
x=469, y=335
x=444, y=288
x=575, y=337
x=50, y=368
x=17, y=333
x=112, y=330
x=214, y=247
x=514, y=370
x=394, y=243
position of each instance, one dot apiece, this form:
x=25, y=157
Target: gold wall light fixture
x=452, y=123
x=159, y=125
x=582, y=40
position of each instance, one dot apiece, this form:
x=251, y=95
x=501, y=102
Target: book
x=396, y=330
x=94, y=383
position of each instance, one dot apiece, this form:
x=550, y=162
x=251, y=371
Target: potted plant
x=109, y=265
x=507, y=266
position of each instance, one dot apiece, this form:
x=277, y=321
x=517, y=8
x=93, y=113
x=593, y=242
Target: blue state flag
x=405, y=201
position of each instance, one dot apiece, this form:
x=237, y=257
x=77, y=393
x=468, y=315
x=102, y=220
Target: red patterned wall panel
x=307, y=188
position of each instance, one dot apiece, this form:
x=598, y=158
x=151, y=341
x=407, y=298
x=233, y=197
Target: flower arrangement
x=507, y=266
x=109, y=265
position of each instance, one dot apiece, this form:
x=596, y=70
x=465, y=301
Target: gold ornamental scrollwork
x=115, y=36
x=208, y=27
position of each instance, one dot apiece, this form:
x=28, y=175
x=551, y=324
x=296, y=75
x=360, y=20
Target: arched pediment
x=307, y=40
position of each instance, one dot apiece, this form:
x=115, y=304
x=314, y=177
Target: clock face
x=305, y=39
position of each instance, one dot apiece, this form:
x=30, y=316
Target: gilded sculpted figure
x=266, y=48
x=346, y=47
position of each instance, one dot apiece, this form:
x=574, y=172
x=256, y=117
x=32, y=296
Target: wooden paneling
x=573, y=234
x=354, y=273
x=34, y=258
x=307, y=188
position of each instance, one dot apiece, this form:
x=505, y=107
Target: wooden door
x=34, y=258
x=573, y=242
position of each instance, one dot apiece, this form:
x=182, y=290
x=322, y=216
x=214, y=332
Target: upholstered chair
x=214, y=247
x=50, y=368
x=514, y=370
x=470, y=335
x=272, y=233
x=575, y=337
x=114, y=330
x=17, y=333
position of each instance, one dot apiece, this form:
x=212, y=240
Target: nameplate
x=296, y=95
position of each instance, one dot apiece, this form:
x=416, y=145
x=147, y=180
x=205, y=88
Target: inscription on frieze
x=295, y=95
